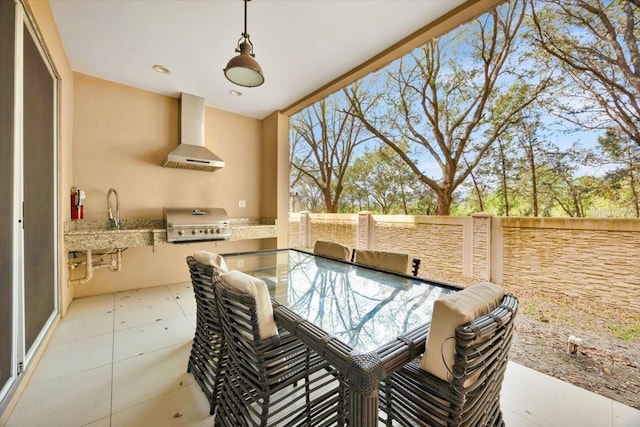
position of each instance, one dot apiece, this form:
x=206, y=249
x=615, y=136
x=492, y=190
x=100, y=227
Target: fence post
x=365, y=231
x=482, y=245
x=305, y=229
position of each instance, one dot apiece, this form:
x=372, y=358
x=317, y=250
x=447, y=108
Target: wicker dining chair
x=388, y=261
x=207, y=360
x=332, y=250
x=274, y=381
x=415, y=397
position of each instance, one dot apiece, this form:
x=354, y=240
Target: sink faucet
x=116, y=220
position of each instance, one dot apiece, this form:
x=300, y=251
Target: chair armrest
x=415, y=266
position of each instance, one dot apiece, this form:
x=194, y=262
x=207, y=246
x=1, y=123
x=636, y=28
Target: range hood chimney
x=192, y=153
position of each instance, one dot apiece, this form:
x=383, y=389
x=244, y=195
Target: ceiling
x=300, y=44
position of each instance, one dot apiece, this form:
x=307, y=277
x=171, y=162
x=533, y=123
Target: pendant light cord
x=245, y=19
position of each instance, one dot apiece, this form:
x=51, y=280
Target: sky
x=462, y=56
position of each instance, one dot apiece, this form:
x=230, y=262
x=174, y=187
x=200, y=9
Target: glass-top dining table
x=365, y=322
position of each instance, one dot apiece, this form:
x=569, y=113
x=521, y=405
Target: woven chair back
x=208, y=357
x=276, y=381
x=414, y=397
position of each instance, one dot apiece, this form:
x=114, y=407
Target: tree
x=494, y=177
x=323, y=141
x=305, y=195
x=618, y=151
x=558, y=183
x=376, y=181
x=381, y=182
x=596, y=42
x=452, y=99
x=504, y=166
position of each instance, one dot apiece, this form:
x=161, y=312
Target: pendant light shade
x=243, y=69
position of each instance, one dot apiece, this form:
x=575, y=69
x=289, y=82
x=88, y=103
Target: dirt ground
x=604, y=363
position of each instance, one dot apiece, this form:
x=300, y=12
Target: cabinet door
x=39, y=174
x=7, y=61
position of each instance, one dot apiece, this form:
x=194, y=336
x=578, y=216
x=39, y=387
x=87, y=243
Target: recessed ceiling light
x=235, y=92
x=161, y=69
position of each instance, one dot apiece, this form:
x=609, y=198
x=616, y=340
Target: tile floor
x=120, y=360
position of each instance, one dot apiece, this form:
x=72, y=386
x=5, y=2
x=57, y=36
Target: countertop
x=85, y=234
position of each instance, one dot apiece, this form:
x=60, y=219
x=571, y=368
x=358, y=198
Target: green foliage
x=620, y=183
x=628, y=332
x=380, y=182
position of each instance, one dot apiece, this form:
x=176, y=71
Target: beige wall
x=116, y=136
x=437, y=241
x=339, y=228
x=275, y=178
x=121, y=136
x=591, y=260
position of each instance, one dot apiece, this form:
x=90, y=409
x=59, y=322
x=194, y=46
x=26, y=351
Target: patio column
x=305, y=229
x=366, y=231
x=482, y=245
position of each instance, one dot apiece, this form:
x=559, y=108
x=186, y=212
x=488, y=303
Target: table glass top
x=363, y=308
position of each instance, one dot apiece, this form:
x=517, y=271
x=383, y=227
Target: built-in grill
x=196, y=224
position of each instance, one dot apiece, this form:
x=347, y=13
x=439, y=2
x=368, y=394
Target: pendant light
x=243, y=69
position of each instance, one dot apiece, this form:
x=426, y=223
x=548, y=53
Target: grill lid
x=179, y=217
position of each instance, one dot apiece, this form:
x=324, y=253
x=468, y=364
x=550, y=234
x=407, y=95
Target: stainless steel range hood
x=192, y=153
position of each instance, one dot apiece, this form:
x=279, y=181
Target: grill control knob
x=193, y=231
x=180, y=232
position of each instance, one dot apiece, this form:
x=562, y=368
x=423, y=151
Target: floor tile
x=148, y=313
x=142, y=297
x=70, y=330
x=550, y=402
x=104, y=422
x=90, y=306
x=92, y=375
x=184, y=296
x=142, y=378
x=152, y=336
x=186, y=406
x=187, y=304
x=179, y=290
x=512, y=419
x=74, y=400
x=625, y=416
x=74, y=357
x=193, y=319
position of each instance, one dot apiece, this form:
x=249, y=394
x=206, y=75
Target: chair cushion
x=449, y=312
x=389, y=261
x=332, y=250
x=212, y=259
x=257, y=288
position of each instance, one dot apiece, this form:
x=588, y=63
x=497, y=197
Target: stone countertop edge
x=80, y=235
x=80, y=226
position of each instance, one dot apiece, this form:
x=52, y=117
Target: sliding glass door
x=7, y=84
x=28, y=200
x=38, y=171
